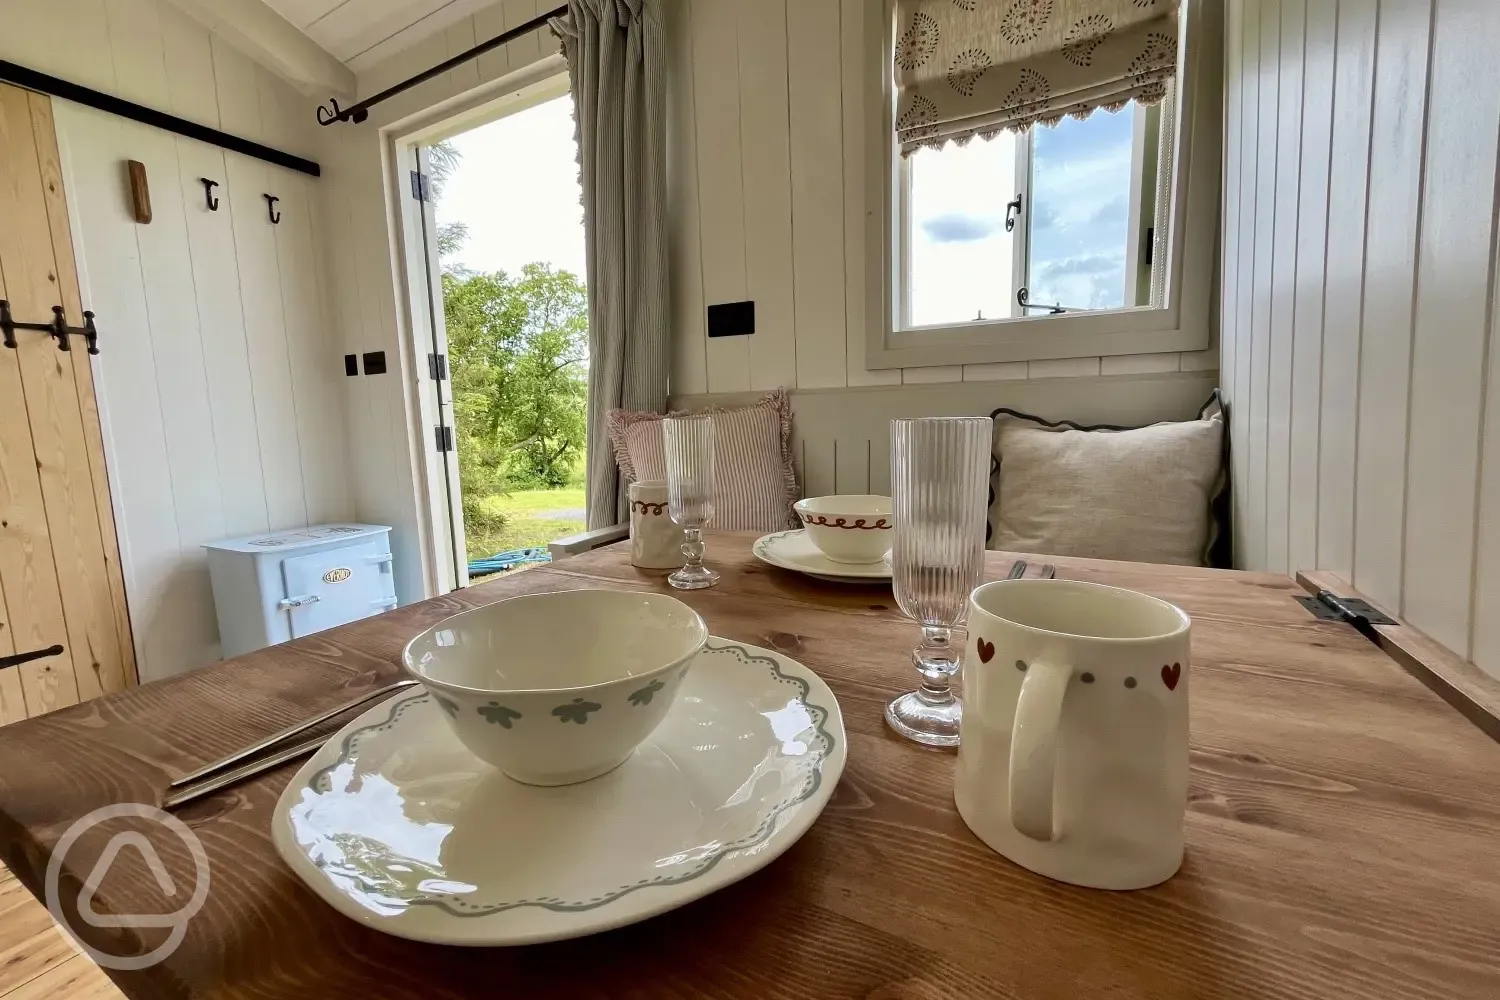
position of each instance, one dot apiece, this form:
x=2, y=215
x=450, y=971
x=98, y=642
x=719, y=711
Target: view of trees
x=518, y=364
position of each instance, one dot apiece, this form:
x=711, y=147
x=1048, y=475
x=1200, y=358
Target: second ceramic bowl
x=558, y=688
x=849, y=529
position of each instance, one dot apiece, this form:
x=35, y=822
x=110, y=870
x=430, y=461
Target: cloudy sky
x=516, y=188
x=962, y=255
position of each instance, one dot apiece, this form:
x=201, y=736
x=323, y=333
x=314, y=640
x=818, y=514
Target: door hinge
x=1327, y=606
x=443, y=437
x=437, y=367
x=419, y=185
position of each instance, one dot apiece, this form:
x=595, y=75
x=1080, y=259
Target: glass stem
x=935, y=661
x=692, y=547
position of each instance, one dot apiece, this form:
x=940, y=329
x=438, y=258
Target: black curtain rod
x=30, y=79
x=328, y=115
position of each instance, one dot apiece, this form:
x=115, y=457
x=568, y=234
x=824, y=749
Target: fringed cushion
x=755, y=484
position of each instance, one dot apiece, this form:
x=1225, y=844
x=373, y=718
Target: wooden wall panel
x=721, y=183
x=1239, y=238
x=1401, y=54
x=1344, y=282
x=689, y=339
x=815, y=83
x=1392, y=438
x=1284, y=248
x=202, y=438
x=1267, y=44
x=1451, y=328
x=1306, y=362
x=765, y=143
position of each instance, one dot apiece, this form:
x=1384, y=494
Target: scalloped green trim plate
x=394, y=824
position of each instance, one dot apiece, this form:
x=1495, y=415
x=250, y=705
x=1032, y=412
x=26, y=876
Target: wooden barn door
x=60, y=579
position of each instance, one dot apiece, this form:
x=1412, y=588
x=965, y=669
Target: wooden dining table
x=1343, y=826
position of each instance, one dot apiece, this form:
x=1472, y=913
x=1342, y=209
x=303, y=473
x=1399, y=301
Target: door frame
x=419, y=319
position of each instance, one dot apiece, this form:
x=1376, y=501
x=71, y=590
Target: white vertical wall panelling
x=215, y=282
x=1269, y=47
x=1485, y=630
x=689, y=344
x=860, y=24
x=1344, y=281
x=181, y=392
x=489, y=22
x=1454, y=272
x=819, y=462
x=942, y=373
x=1240, y=234
x=1283, y=284
x=260, y=283
x=721, y=191
x=765, y=141
x=460, y=38
x=998, y=371
x=814, y=83
x=851, y=465
x=1401, y=59
x=310, y=352
x=1312, y=228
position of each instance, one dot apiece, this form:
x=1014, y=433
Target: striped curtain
x=617, y=68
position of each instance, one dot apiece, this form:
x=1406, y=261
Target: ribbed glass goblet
x=939, y=478
x=689, y=444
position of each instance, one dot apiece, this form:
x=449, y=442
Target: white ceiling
x=359, y=33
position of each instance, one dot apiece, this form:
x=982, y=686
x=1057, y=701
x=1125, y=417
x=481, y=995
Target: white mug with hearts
x=1073, y=760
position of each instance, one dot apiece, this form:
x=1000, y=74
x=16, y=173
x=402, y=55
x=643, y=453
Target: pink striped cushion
x=753, y=474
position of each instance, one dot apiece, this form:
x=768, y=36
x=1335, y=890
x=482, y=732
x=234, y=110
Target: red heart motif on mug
x=986, y=651
x=1171, y=675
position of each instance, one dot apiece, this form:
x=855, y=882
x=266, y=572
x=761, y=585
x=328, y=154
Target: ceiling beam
x=271, y=40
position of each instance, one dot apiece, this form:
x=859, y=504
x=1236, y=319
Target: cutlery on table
x=239, y=765
x=1017, y=569
x=1049, y=572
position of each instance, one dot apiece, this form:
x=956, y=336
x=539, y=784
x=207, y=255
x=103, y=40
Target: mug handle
x=1033, y=748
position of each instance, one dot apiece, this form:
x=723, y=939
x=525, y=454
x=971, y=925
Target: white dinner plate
x=396, y=825
x=793, y=550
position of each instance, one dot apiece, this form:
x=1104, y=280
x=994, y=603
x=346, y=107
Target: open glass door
x=499, y=313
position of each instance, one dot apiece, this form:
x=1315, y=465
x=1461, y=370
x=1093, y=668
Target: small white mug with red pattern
x=1073, y=758
x=655, y=539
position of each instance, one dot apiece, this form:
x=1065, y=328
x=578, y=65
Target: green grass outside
x=523, y=527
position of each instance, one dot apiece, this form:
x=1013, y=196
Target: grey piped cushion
x=1144, y=494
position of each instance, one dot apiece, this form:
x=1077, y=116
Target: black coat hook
x=271, y=201
x=208, y=193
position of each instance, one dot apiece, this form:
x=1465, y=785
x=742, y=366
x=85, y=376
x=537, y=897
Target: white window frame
x=1183, y=318
x=1141, y=219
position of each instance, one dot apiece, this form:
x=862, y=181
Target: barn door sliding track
x=30, y=79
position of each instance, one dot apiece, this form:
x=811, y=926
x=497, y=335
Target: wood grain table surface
x=1343, y=828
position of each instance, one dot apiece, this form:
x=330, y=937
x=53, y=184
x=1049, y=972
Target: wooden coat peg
x=140, y=192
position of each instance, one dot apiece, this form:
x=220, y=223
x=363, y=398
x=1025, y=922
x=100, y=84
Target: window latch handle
x=1012, y=211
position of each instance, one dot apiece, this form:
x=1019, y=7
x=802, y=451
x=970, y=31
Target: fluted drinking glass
x=939, y=479
x=689, y=444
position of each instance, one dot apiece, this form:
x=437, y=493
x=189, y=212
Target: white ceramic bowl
x=558, y=688
x=849, y=529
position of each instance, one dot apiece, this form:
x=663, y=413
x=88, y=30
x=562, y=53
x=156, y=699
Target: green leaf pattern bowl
x=395, y=824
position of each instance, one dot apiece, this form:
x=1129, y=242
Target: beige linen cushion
x=1141, y=494
x=755, y=484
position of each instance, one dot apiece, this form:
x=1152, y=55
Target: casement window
x=1052, y=192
